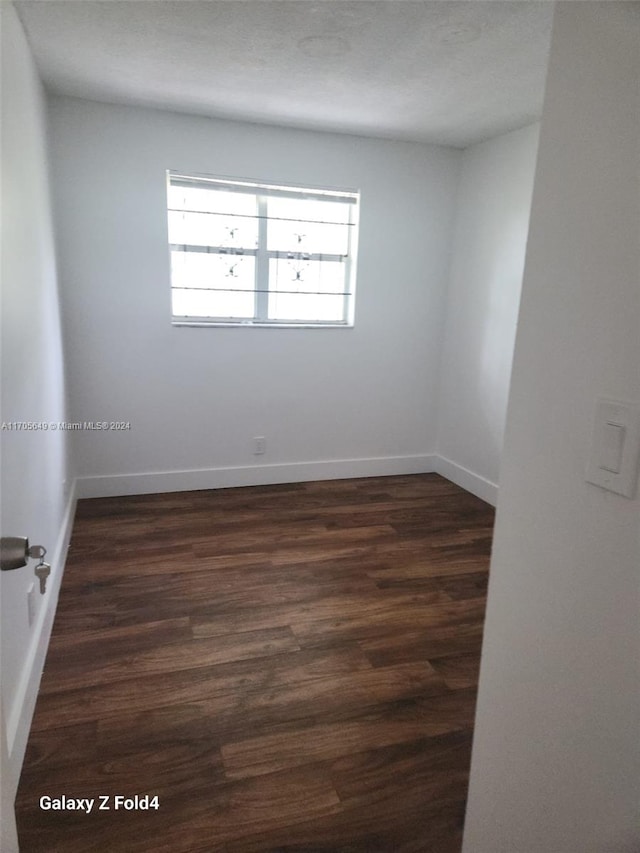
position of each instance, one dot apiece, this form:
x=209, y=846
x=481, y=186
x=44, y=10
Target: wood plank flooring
x=287, y=668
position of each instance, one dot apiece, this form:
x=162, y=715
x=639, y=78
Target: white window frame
x=264, y=191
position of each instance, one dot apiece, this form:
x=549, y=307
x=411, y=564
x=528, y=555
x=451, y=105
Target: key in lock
x=42, y=570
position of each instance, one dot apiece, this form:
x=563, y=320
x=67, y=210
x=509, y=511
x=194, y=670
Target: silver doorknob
x=14, y=552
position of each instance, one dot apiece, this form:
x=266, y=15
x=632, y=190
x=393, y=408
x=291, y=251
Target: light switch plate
x=615, y=447
x=612, y=439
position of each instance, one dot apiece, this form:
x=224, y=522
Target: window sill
x=250, y=325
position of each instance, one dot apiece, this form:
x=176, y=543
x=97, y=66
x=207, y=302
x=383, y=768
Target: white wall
x=195, y=397
x=35, y=493
x=490, y=236
x=556, y=761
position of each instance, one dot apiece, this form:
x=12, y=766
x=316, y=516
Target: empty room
x=320, y=426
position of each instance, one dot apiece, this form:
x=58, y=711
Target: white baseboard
x=21, y=713
x=113, y=485
x=466, y=479
x=250, y=475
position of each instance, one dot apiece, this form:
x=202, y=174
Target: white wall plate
x=615, y=447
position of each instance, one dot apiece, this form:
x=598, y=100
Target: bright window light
x=253, y=254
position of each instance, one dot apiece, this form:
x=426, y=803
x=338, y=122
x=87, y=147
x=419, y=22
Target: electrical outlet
x=259, y=445
x=31, y=603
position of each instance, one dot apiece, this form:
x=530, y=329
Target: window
x=260, y=255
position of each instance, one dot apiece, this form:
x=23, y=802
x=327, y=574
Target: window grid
x=275, y=302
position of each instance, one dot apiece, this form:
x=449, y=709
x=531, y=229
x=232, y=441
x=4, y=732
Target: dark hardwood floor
x=287, y=668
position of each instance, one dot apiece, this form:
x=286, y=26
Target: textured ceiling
x=450, y=72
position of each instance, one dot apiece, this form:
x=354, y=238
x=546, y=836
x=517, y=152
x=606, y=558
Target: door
x=8, y=832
